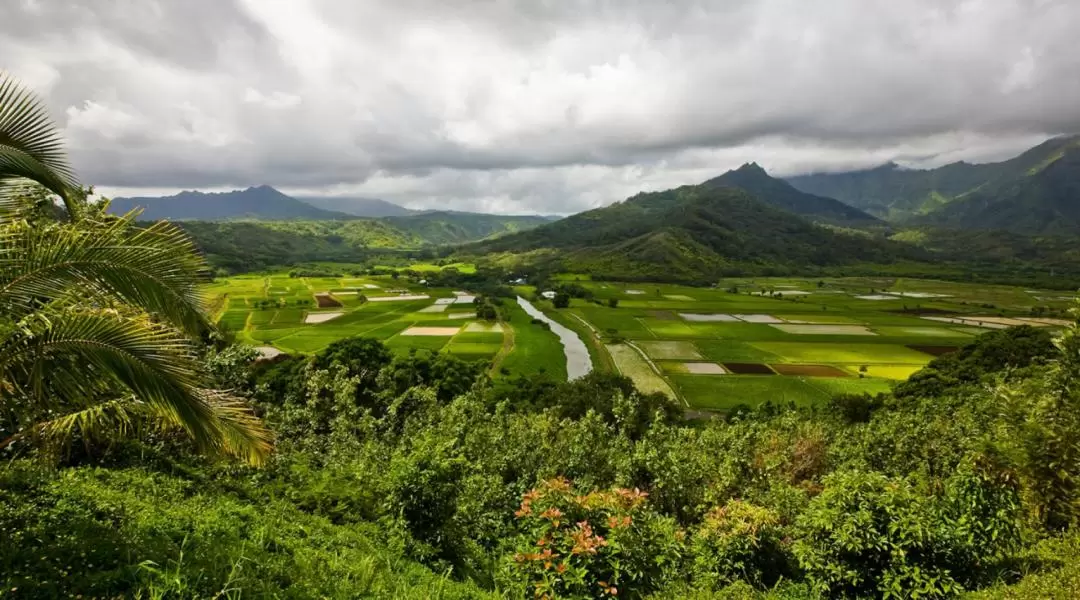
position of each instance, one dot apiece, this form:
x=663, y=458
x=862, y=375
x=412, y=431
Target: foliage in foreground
x=401, y=474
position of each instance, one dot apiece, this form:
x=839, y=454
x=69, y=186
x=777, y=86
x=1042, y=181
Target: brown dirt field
x=748, y=368
x=326, y=301
x=809, y=370
x=934, y=350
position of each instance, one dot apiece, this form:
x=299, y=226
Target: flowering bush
x=600, y=544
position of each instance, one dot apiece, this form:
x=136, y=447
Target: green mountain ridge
x=241, y=245
x=262, y=202
x=1031, y=193
x=693, y=232
x=783, y=195
x=357, y=207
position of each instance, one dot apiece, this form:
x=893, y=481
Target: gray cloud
x=536, y=106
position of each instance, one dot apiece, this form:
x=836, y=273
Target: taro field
x=801, y=341
x=303, y=315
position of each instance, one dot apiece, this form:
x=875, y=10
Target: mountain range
x=357, y=207
x=262, y=202
x=1037, y=192
x=781, y=194
x=705, y=231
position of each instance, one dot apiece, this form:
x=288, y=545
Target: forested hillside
x=251, y=245
x=146, y=454
x=695, y=232
x=779, y=193
x=1034, y=192
x=358, y=207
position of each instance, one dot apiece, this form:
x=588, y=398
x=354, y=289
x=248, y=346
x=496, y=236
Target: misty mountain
x=1020, y=183
x=263, y=202
x=779, y=193
x=359, y=207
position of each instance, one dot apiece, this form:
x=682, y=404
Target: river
x=578, y=363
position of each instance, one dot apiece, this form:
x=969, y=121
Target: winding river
x=578, y=363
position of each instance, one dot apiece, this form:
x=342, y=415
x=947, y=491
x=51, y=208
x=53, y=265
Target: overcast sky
x=548, y=106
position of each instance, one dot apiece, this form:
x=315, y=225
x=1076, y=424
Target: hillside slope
x=693, y=232
x=449, y=227
x=263, y=202
x=779, y=193
x=895, y=193
x=1043, y=201
x=249, y=245
x=358, y=207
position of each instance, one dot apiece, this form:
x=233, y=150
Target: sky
x=534, y=106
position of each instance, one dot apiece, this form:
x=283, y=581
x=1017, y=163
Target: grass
x=811, y=352
x=536, y=350
x=631, y=364
x=851, y=385
x=724, y=392
x=899, y=372
x=650, y=320
x=662, y=350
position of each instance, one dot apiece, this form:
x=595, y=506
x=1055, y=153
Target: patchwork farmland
x=792, y=340
x=745, y=341
x=278, y=313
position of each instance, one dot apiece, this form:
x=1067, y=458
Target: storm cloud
x=535, y=105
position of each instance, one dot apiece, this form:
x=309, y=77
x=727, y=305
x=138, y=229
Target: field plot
x=729, y=391
x=707, y=318
x=670, y=350
x=303, y=315
x=809, y=370
x=749, y=368
x=631, y=364
x=704, y=368
x=803, y=329
x=899, y=372
x=813, y=353
x=431, y=331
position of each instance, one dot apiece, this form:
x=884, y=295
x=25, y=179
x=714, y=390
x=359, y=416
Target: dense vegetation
x=357, y=207
x=1033, y=193
x=577, y=489
x=779, y=193
x=239, y=246
x=695, y=233
x=417, y=475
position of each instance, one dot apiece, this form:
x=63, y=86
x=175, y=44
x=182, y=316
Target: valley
x=662, y=381
x=744, y=342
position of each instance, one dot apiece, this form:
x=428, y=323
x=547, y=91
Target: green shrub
x=738, y=541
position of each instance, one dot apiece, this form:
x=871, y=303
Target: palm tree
x=98, y=317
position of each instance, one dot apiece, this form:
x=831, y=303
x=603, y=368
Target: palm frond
x=241, y=433
x=155, y=269
x=30, y=144
x=61, y=358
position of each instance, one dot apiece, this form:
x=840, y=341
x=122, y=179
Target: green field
x=272, y=310
x=831, y=336
x=841, y=328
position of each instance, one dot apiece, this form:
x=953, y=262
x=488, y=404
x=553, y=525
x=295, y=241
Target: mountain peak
x=751, y=167
x=752, y=178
